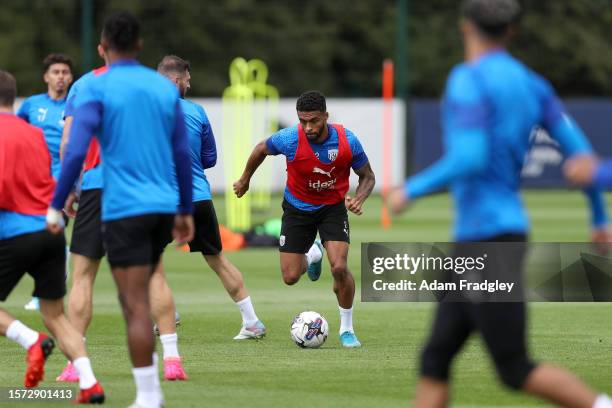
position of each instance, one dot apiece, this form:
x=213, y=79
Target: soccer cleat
x=173, y=369
x=314, y=269
x=37, y=355
x=177, y=320
x=69, y=374
x=33, y=304
x=349, y=340
x=257, y=331
x=91, y=395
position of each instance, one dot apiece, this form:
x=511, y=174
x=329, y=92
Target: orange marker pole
x=387, y=94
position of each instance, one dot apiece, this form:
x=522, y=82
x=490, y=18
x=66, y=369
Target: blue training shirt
x=136, y=115
x=92, y=178
x=490, y=108
x=13, y=224
x=202, y=147
x=48, y=114
x=285, y=142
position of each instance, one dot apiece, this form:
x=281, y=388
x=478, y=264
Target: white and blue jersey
x=202, y=147
x=47, y=114
x=136, y=116
x=490, y=108
x=285, y=142
x=92, y=178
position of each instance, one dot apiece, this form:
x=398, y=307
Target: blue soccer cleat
x=349, y=340
x=314, y=269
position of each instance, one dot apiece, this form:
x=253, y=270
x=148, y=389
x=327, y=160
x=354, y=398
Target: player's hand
x=353, y=205
x=580, y=169
x=397, y=200
x=241, y=187
x=183, y=228
x=601, y=238
x=69, y=205
x=55, y=221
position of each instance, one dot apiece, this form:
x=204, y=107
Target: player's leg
x=48, y=268
x=298, y=232
x=87, y=250
x=334, y=232
x=133, y=253
x=72, y=345
x=163, y=311
x=207, y=240
x=450, y=330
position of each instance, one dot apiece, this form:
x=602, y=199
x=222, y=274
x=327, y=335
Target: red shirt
x=26, y=184
x=93, y=154
x=314, y=182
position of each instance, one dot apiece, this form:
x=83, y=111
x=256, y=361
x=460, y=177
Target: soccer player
x=207, y=239
x=46, y=111
x=26, y=187
x=587, y=169
x=491, y=103
x=87, y=251
x=319, y=159
x=136, y=116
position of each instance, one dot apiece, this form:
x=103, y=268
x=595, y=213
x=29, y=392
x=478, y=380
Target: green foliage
x=335, y=46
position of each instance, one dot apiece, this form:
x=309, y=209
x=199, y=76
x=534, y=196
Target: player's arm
x=603, y=174
x=573, y=143
x=466, y=143
x=65, y=133
x=258, y=155
x=367, y=180
x=208, y=152
x=87, y=119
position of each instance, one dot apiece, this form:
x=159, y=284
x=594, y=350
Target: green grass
x=276, y=373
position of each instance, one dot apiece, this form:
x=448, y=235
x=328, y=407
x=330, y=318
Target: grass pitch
x=275, y=373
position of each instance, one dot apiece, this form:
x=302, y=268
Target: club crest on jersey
x=332, y=154
x=321, y=171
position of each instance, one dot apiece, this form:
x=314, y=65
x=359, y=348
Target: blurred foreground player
x=87, y=251
x=491, y=104
x=207, y=239
x=26, y=187
x=319, y=161
x=46, y=111
x=136, y=116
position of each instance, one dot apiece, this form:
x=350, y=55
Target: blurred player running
x=207, y=239
x=87, y=251
x=319, y=160
x=136, y=116
x=46, y=111
x=26, y=187
x=491, y=104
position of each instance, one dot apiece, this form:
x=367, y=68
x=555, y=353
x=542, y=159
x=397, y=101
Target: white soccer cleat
x=257, y=331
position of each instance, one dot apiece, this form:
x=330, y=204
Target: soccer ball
x=309, y=330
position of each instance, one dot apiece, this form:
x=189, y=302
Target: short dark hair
x=56, y=59
x=171, y=64
x=492, y=17
x=311, y=101
x=8, y=89
x=121, y=31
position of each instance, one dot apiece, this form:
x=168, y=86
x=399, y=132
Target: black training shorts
x=40, y=254
x=299, y=228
